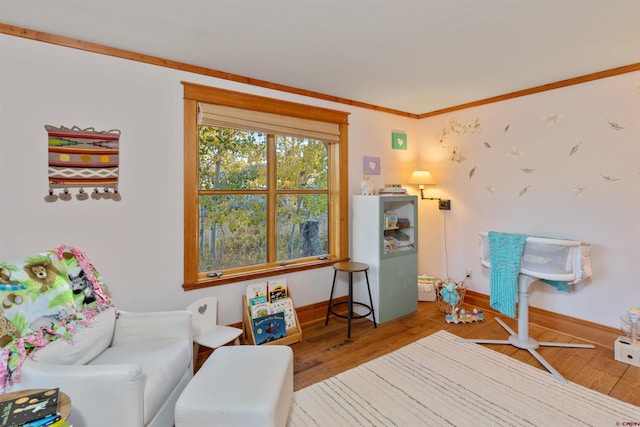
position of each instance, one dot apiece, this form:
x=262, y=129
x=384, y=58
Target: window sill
x=208, y=282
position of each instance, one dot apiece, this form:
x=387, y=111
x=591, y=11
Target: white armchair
x=59, y=329
x=135, y=381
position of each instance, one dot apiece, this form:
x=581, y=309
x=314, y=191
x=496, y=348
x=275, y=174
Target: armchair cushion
x=163, y=364
x=86, y=344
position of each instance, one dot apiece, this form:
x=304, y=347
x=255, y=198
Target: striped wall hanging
x=83, y=159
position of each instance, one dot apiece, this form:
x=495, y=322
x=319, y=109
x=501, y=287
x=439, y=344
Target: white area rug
x=439, y=382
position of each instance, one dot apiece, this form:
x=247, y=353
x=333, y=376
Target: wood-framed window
x=265, y=186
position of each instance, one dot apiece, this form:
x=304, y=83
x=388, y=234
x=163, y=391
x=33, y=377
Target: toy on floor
x=464, y=317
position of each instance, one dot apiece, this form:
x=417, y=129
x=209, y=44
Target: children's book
x=260, y=310
x=28, y=408
x=44, y=422
x=269, y=328
x=257, y=293
x=277, y=289
x=285, y=305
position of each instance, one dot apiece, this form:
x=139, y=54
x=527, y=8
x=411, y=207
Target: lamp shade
x=421, y=177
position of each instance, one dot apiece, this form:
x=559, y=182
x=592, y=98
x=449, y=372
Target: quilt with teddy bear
x=45, y=297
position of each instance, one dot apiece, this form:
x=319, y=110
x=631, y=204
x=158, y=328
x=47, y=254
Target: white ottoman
x=241, y=385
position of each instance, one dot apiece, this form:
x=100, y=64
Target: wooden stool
x=350, y=267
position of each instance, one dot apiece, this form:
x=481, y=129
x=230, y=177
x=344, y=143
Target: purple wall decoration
x=371, y=165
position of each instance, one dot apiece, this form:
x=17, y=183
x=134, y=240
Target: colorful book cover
x=260, y=310
x=257, y=293
x=285, y=305
x=28, y=408
x=277, y=289
x=269, y=328
x=44, y=422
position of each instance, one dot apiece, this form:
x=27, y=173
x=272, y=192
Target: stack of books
x=393, y=190
x=37, y=409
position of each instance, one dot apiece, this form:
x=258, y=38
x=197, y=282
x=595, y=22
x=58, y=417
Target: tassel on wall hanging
x=83, y=159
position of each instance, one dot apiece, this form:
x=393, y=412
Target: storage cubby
x=385, y=236
x=293, y=334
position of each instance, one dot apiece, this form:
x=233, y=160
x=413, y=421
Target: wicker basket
x=444, y=300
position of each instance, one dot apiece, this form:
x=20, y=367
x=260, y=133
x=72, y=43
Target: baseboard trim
x=582, y=329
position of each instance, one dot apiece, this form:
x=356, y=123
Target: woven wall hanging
x=83, y=158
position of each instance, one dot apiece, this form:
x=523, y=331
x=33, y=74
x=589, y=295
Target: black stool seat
x=350, y=267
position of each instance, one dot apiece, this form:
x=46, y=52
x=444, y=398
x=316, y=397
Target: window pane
x=233, y=231
x=232, y=159
x=302, y=164
x=301, y=226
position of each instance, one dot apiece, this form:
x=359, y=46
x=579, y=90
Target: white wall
x=605, y=213
x=136, y=243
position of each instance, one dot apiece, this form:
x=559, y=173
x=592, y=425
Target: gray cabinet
x=385, y=236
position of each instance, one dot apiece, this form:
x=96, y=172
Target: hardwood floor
x=325, y=350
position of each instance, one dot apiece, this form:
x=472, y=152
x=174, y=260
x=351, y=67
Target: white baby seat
x=563, y=263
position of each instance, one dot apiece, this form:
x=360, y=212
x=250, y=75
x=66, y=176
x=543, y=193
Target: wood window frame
x=338, y=182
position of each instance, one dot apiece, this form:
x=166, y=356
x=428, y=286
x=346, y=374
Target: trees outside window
x=265, y=186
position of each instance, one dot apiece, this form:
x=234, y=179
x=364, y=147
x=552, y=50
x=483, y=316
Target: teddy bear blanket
x=45, y=297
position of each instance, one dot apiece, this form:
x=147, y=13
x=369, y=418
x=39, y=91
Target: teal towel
x=505, y=254
x=558, y=284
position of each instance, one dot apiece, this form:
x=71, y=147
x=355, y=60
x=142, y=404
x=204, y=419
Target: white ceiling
x=414, y=56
